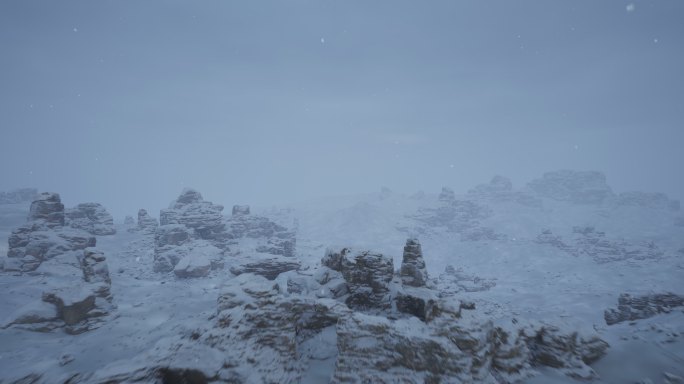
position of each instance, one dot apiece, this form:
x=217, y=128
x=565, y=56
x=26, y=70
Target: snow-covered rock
x=191, y=210
x=146, y=223
x=647, y=200
x=92, y=218
x=269, y=268
x=413, y=271
x=447, y=194
x=367, y=275
x=44, y=235
x=642, y=307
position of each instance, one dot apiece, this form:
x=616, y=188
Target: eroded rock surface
x=580, y=187
x=642, y=307
x=92, y=218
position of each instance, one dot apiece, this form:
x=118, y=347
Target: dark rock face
x=268, y=268
x=48, y=207
x=190, y=210
x=549, y=347
x=44, y=236
x=367, y=275
x=421, y=303
x=92, y=218
x=642, y=307
x=580, y=187
x=18, y=196
x=647, y=200
x=413, y=272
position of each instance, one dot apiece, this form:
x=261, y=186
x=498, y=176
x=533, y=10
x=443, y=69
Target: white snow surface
x=515, y=277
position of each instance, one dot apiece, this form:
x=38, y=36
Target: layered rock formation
x=413, y=272
x=642, y=307
x=204, y=218
x=44, y=236
x=92, y=218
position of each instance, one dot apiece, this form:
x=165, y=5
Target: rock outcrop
x=191, y=210
x=413, y=272
x=579, y=187
x=92, y=218
x=76, y=307
x=44, y=236
x=642, y=307
x=367, y=275
x=146, y=223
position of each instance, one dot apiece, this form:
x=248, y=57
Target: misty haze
x=341, y=191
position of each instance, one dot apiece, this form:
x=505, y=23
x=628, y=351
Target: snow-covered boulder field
x=562, y=280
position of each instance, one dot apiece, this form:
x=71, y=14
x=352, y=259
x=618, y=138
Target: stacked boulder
x=90, y=217
x=44, y=236
x=186, y=240
x=642, y=307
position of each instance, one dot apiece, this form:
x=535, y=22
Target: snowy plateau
x=562, y=280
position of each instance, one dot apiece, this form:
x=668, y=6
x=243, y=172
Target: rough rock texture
x=647, y=200
x=268, y=268
x=642, y=307
x=48, y=208
x=192, y=211
x=419, y=302
x=580, y=187
x=447, y=194
x=146, y=223
x=367, y=276
x=43, y=236
x=587, y=241
x=75, y=306
x=176, y=242
x=129, y=221
x=413, y=272
x=18, y=196
x=273, y=239
x=92, y=218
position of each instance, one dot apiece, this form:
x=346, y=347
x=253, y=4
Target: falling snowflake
x=630, y=7
x=75, y=29
x=322, y=40
x=655, y=41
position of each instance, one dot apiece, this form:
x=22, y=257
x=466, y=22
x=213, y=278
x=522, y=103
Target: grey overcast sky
x=260, y=102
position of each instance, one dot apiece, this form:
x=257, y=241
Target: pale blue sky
x=259, y=102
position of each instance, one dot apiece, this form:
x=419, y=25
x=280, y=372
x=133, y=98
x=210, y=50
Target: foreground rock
x=77, y=307
x=642, y=307
x=92, y=218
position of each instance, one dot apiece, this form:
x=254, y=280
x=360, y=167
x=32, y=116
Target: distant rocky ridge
x=579, y=187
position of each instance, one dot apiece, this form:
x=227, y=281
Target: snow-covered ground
x=502, y=252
